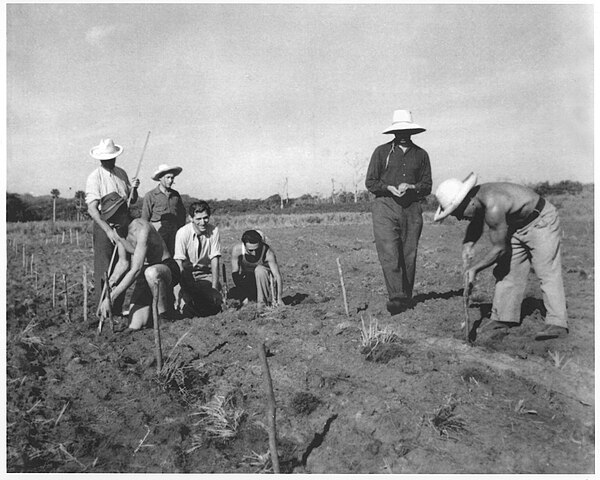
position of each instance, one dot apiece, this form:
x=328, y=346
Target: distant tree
x=55, y=194
x=80, y=203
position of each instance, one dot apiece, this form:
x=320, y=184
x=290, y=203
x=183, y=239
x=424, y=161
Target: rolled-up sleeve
x=180, y=245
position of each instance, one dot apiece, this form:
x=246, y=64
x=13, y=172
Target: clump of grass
x=445, y=421
x=260, y=460
x=27, y=339
x=219, y=419
x=560, y=361
x=521, y=410
x=372, y=337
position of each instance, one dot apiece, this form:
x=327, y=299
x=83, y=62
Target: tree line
x=26, y=207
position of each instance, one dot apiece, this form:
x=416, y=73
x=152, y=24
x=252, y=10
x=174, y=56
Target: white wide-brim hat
x=451, y=193
x=106, y=150
x=402, y=120
x=162, y=169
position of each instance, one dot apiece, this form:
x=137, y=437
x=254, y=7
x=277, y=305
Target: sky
x=247, y=97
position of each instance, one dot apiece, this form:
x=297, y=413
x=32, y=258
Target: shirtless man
x=151, y=264
x=525, y=232
x=252, y=263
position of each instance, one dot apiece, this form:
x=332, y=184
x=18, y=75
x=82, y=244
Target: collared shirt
x=102, y=182
x=197, y=249
x=163, y=207
x=390, y=165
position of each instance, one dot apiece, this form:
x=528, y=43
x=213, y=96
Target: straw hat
x=402, y=120
x=162, y=169
x=106, y=150
x=109, y=204
x=451, y=193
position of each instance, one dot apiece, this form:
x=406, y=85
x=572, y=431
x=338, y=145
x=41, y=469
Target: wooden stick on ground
x=85, y=295
x=66, y=297
x=466, y=301
x=224, y=287
x=155, y=315
x=53, y=290
x=270, y=408
x=343, y=287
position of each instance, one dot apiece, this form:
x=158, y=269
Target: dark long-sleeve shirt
x=167, y=209
x=410, y=167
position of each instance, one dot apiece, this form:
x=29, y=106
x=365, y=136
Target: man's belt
x=539, y=206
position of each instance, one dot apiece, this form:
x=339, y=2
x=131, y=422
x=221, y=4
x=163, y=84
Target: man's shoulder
x=384, y=146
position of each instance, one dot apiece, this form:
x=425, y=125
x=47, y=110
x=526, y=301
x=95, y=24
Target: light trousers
x=536, y=245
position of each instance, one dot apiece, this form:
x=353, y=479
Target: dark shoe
x=492, y=325
x=397, y=305
x=552, y=331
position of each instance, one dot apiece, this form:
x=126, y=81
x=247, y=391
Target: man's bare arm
x=495, y=218
x=137, y=261
x=274, y=266
x=95, y=214
x=215, y=263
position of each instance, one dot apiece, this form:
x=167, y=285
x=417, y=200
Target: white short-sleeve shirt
x=102, y=182
x=197, y=249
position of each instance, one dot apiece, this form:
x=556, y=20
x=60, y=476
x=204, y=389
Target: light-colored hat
x=402, y=120
x=164, y=168
x=451, y=193
x=106, y=150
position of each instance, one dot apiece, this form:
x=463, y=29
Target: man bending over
x=143, y=260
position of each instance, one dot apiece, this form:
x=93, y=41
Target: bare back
x=508, y=200
x=156, y=250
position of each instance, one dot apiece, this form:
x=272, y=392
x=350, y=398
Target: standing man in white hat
x=163, y=206
x=105, y=179
x=399, y=175
x=525, y=232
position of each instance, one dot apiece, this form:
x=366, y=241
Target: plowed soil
x=426, y=402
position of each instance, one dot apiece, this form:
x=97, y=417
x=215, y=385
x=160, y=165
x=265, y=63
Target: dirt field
x=424, y=403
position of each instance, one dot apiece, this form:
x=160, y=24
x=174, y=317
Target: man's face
x=119, y=219
x=167, y=180
x=252, y=248
x=108, y=164
x=403, y=138
x=200, y=221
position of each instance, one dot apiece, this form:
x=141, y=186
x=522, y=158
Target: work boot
x=552, y=331
x=492, y=325
x=397, y=305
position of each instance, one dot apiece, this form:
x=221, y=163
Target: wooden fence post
x=85, y=295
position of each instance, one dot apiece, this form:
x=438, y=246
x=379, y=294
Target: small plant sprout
x=521, y=410
x=445, y=421
x=372, y=336
x=219, y=418
x=560, y=361
x=262, y=461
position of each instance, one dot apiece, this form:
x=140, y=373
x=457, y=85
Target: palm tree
x=55, y=194
x=79, y=196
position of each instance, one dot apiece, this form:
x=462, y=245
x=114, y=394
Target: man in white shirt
x=198, y=254
x=107, y=178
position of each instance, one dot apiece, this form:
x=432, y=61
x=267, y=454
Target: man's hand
x=135, y=183
x=105, y=308
x=400, y=190
x=470, y=275
x=468, y=253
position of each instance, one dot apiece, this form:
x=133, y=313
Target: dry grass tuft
x=219, y=419
x=260, y=460
x=445, y=421
x=373, y=336
x=560, y=361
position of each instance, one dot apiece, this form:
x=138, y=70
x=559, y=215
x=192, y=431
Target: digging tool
x=157, y=345
x=271, y=412
x=224, y=287
x=466, y=300
x=110, y=319
x=114, y=253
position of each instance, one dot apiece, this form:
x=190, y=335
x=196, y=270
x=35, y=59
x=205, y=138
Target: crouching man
x=198, y=254
x=525, y=232
x=254, y=267
x=143, y=260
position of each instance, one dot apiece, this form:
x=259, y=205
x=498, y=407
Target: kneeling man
x=198, y=254
x=150, y=264
x=253, y=267
x=525, y=232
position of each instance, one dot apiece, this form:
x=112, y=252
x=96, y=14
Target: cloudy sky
x=243, y=96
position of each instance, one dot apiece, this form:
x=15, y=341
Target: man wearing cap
x=151, y=265
x=198, y=254
x=253, y=268
x=105, y=179
x=163, y=206
x=525, y=232
x=399, y=175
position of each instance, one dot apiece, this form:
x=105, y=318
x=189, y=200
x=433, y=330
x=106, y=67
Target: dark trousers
x=397, y=231
x=103, y=250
